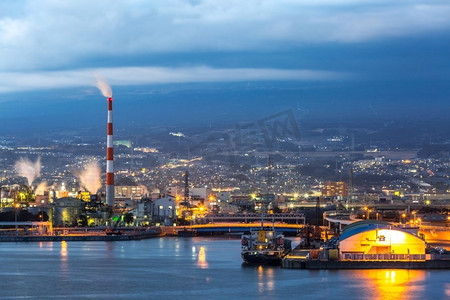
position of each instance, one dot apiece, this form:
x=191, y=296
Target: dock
x=76, y=234
x=295, y=263
x=330, y=259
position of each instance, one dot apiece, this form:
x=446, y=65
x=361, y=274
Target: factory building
x=65, y=211
x=164, y=210
x=379, y=240
x=144, y=211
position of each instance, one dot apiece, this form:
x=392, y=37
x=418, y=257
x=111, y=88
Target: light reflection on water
x=64, y=257
x=265, y=279
x=190, y=268
x=395, y=284
x=202, y=263
x=64, y=251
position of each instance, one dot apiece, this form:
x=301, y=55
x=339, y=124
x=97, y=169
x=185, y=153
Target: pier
x=78, y=234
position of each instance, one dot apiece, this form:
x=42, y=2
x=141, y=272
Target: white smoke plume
x=41, y=188
x=26, y=168
x=103, y=86
x=90, y=177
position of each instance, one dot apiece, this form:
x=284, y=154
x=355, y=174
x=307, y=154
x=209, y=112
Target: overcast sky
x=391, y=50
x=51, y=44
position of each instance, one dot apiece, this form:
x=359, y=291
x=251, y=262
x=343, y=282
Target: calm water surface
x=189, y=268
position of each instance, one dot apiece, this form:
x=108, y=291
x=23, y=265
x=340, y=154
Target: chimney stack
x=109, y=157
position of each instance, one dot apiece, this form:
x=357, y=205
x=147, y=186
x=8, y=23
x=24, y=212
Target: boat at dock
x=264, y=246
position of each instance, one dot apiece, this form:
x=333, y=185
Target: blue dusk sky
x=176, y=62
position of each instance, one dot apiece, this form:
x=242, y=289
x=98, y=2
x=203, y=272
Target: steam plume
x=103, y=86
x=41, y=188
x=26, y=168
x=90, y=177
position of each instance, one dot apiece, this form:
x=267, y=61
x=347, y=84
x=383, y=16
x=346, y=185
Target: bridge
x=239, y=228
x=297, y=218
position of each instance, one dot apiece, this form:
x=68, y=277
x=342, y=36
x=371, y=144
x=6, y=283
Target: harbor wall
x=59, y=238
x=292, y=263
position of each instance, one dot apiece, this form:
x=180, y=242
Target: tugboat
x=264, y=246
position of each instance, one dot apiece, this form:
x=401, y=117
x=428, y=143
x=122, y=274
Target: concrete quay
x=294, y=263
x=125, y=236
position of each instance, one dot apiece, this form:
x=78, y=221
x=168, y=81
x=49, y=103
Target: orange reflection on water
x=63, y=253
x=393, y=284
x=202, y=263
x=63, y=250
x=265, y=279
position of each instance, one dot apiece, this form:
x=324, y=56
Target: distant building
x=176, y=191
x=224, y=196
x=129, y=191
x=43, y=199
x=265, y=200
x=200, y=197
x=144, y=211
x=227, y=208
x=241, y=198
x=335, y=189
x=385, y=199
x=199, y=193
x=164, y=210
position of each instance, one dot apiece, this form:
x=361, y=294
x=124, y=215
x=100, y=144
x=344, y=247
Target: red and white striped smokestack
x=109, y=157
x=105, y=88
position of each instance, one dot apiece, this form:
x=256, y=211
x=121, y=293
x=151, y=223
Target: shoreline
x=67, y=238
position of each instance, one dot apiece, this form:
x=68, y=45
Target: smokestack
x=105, y=88
x=109, y=157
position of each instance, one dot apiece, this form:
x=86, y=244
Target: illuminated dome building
x=379, y=240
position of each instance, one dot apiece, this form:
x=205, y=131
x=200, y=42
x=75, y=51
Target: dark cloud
x=349, y=58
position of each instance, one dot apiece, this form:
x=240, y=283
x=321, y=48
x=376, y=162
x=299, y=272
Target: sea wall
x=292, y=263
x=50, y=238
